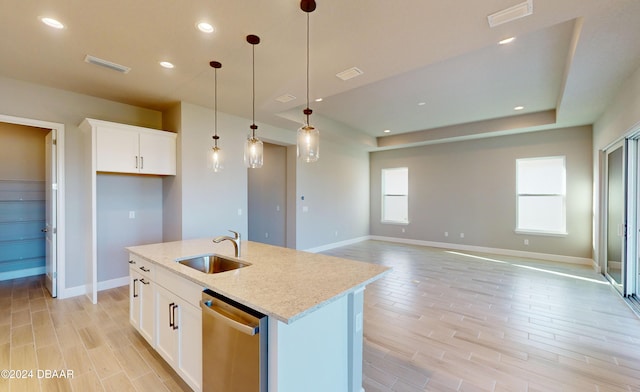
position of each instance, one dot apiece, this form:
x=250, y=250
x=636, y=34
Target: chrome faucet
x=235, y=240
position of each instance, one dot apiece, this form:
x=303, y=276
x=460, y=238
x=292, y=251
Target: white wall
x=27, y=100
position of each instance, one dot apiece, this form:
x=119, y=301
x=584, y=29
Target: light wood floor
x=469, y=322
x=439, y=322
x=96, y=342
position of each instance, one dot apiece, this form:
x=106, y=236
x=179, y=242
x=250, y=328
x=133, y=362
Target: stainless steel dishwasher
x=234, y=346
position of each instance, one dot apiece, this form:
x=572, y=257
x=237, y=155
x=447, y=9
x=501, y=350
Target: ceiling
x=428, y=65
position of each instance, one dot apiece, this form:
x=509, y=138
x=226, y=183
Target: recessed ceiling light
x=421, y=103
x=518, y=108
x=507, y=40
x=318, y=100
x=52, y=23
x=205, y=27
x=387, y=131
x=166, y=64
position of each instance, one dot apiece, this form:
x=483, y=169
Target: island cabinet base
x=321, y=351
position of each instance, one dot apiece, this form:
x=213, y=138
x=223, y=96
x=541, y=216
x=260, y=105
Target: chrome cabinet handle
x=141, y=163
x=136, y=161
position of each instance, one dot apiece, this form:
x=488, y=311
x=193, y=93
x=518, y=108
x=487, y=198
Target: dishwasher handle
x=212, y=311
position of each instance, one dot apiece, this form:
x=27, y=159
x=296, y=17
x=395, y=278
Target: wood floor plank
x=471, y=321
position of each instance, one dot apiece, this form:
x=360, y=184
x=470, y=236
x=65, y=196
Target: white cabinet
x=135, y=150
x=142, y=298
x=164, y=308
x=179, y=322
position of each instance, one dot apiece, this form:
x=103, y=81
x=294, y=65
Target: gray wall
x=116, y=196
x=198, y=202
x=469, y=187
x=621, y=117
x=22, y=152
x=336, y=194
x=33, y=101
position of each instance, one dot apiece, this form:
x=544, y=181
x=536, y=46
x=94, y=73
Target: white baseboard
x=113, y=283
x=497, y=251
x=337, y=244
x=104, y=285
x=23, y=273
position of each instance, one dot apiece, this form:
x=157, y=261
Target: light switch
x=305, y=208
x=132, y=215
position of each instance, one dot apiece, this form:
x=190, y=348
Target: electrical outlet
x=239, y=211
x=461, y=235
x=526, y=242
x=266, y=235
x=446, y=234
x=132, y=215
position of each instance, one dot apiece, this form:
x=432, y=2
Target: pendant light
x=253, y=149
x=308, y=140
x=216, y=153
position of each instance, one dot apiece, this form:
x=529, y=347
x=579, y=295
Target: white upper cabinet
x=123, y=148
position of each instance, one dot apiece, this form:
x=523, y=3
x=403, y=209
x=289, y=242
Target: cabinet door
x=190, y=331
x=168, y=312
x=117, y=150
x=158, y=153
x=147, y=309
x=134, y=298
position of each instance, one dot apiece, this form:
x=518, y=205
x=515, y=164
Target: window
x=395, y=195
x=541, y=195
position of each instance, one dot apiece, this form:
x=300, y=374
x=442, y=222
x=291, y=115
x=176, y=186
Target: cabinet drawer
x=142, y=266
x=182, y=287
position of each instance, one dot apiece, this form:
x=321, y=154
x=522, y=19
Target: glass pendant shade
x=253, y=152
x=216, y=159
x=308, y=143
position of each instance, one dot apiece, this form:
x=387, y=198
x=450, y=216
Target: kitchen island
x=314, y=304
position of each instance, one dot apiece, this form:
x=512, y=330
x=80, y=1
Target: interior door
x=50, y=228
x=616, y=225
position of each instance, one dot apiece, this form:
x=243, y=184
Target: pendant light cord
x=308, y=66
x=253, y=113
x=215, y=108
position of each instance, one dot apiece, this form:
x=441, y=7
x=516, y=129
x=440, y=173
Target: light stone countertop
x=280, y=282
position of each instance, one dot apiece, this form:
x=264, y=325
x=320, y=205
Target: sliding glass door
x=616, y=225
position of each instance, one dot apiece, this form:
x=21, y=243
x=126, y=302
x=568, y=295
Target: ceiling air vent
x=107, y=64
x=285, y=98
x=510, y=14
x=349, y=73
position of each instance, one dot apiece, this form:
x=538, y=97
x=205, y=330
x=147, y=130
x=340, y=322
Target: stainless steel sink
x=212, y=263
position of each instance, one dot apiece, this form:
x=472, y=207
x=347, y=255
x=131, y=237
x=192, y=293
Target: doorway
x=616, y=222
x=47, y=202
x=267, y=189
x=621, y=264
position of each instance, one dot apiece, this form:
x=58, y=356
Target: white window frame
x=563, y=195
x=384, y=196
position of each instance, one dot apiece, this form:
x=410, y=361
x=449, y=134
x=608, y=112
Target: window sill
x=399, y=223
x=542, y=233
